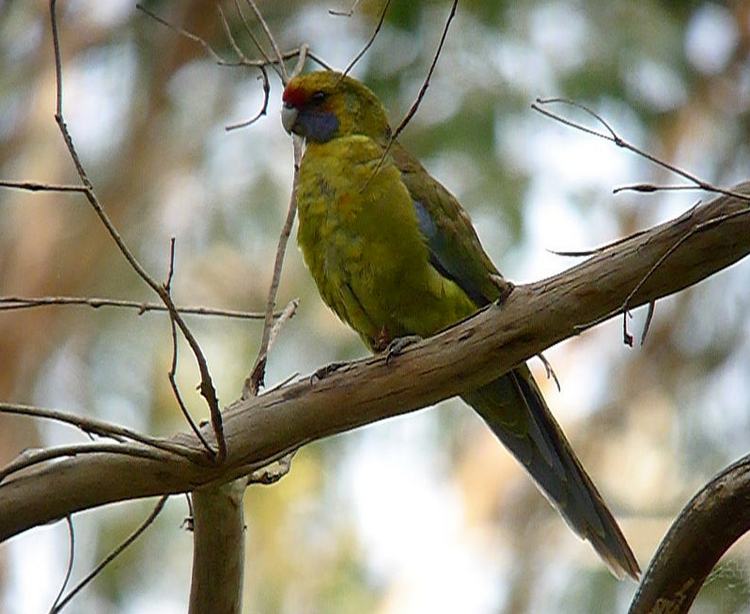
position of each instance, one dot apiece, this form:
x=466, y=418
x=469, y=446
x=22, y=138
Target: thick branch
x=219, y=552
x=706, y=528
x=533, y=318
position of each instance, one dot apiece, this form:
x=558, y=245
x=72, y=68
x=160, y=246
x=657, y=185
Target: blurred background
x=427, y=512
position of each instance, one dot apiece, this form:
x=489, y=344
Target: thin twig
x=255, y=380
x=422, y=90
x=206, y=386
x=230, y=36
x=271, y=39
x=35, y=186
x=650, y=187
x=266, y=58
x=69, y=570
x=304, y=53
x=287, y=314
x=674, y=247
x=371, y=40
x=243, y=58
x=10, y=303
x=615, y=138
x=171, y=374
x=550, y=371
x=647, y=323
x=182, y=32
x=113, y=555
x=101, y=428
x=263, y=110
x=348, y=13
x=596, y=250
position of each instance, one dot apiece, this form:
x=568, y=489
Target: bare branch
x=255, y=380
x=348, y=13
x=266, y=58
x=289, y=312
x=171, y=374
x=422, y=90
x=35, y=186
x=71, y=558
x=613, y=137
x=267, y=427
x=101, y=428
x=206, y=387
x=182, y=32
x=263, y=109
x=371, y=40
x=10, y=303
x=32, y=457
x=112, y=555
x=271, y=39
x=218, y=550
x=715, y=518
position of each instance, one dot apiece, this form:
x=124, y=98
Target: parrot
x=395, y=256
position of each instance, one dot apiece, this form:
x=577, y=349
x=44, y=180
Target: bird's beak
x=288, y=117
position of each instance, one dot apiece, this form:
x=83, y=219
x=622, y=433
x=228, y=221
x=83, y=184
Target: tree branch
x=706, y=528
x=534, y=317
x=219, y=552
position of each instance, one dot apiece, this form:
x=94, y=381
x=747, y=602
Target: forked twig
x=271, y=39
x=206, y=387
x=612, y=136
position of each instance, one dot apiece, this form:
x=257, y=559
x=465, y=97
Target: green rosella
x=394, y=255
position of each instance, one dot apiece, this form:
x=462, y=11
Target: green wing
x=455, y=250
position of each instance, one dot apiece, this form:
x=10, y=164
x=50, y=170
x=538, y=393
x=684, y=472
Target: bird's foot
x=398, y=345
x=506, y=288
x=323, y=372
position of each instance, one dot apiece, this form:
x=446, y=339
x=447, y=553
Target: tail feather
x=513, y=407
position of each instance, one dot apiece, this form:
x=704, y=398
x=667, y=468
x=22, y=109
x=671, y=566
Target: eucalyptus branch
x=92, y=426
x=265, y=428
x=613, y=137
x=32, y=457
x=10, y=303
x=206, y=386
x=714, y=519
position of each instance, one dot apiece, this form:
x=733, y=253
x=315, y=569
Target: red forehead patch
x=294, y=96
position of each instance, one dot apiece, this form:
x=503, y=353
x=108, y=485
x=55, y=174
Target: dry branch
x=534, y=317
x=706, y=528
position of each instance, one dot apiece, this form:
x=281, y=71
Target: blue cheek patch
x=319, y=126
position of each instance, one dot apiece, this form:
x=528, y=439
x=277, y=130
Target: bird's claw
x=398, y=345
x=506, y=288
x=323, y=372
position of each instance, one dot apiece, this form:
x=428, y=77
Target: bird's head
x=325, y=105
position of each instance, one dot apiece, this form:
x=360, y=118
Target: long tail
x=513, y=407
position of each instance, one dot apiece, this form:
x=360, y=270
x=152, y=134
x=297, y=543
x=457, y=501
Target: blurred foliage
x=423, y=513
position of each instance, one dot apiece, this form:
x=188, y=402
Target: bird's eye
x=318, y=97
